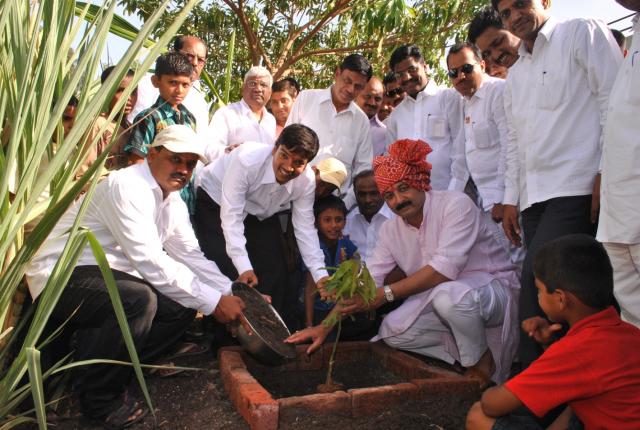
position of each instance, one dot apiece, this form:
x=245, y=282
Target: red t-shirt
x=595, y=368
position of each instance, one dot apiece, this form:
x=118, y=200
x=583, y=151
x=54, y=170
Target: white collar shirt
x=243, y=182
x=195, y=102
x=364, y=234
x=143, y=235
x=556, y=100
x=236, y=123
x=483, y=156
x=619, y=220
x=454, y=242
x=378, y=135
x=435, y=116
x=344, y=135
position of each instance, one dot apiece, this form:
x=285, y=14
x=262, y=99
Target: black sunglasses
x=393, y=93
x=465, y=68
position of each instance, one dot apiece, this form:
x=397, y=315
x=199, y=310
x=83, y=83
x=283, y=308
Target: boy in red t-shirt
x=594, y=368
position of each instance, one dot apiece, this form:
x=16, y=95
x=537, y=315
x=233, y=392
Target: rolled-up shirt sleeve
x=460, y=229
x=307, y=235
x=130, y=216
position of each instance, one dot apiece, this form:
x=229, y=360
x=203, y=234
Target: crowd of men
x=474, y=207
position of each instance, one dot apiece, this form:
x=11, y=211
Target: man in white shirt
x=248, y=119
x=619, y=224
x=364, y=222
x=370, y=101
x=162, y=277
x=196, y=51
x=236, y=218
x=461, y=288
x=428, y=112
x=342, y=127
x=556, y=99
x=498, y=47
x=481, y=158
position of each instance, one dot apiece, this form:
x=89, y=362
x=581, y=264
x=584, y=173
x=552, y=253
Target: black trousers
x=264, y=246
x=156, y=323
x=542, y=223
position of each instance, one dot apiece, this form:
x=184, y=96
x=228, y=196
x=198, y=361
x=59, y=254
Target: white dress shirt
x=343, y=135
x=454, y=242
x=483, y=156
x=556, y=100
x=620, y=188
x=236, y=123
x=243, y=182
x=378, y=135
x=195, y=102
x=364, y=233
x=435, y=116
x=143, y=235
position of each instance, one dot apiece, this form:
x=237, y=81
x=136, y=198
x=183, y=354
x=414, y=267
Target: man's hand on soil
x=316, y=334
x=229, y=309
x=248, y=277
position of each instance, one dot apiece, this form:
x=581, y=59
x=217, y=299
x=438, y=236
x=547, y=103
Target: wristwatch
x=388, y=293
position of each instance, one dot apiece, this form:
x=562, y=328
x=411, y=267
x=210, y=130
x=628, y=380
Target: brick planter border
x=263, y=412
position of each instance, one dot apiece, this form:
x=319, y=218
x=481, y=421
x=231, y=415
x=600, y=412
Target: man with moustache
x=556, y=100
x=619, y=224
x=364, y=222
x=498, y=47
x=370, y=100
x=482, y=157
x=162, y=277
x=342, y=127
x=460, y=289
x=248, y=119
x=429, y=112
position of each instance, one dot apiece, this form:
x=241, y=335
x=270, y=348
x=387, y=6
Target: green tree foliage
x=307, y=38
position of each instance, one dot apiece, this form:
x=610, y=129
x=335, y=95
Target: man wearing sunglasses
x=429, y=112
x=196, y=52
x=556, y=101
x=481, y=158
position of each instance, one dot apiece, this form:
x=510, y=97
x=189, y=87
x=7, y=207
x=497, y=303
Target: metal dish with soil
x=267, y=328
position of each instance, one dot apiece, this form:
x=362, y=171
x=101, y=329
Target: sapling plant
x=350, y=279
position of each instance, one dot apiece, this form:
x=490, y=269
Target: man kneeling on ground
x=162, y=276
x=461, y=288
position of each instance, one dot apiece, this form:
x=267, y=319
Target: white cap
x=332, y=170
x=180, y=139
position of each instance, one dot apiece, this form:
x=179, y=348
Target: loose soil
x=198, y=401
x=263, y=321
x=352, y=374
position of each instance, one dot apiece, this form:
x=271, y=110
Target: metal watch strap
x=388, y=293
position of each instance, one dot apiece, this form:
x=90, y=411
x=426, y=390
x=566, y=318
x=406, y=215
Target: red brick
x=368, y=401
x=234, y=379
x=458, y=387
x=257, y=407
x=338, y=403
x=407, y=366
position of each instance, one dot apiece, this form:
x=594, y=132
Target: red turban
x=406, y=162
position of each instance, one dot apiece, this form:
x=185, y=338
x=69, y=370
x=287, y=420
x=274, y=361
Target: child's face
x=131, y=100
x=550, y=303
x=287, y=165
x=172, y=88
x=68, y=118
x=330, y=224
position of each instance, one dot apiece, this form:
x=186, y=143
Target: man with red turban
x=461, y=287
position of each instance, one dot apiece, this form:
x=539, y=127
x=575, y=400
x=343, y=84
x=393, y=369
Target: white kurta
x=364, y=234
x=435, y=116
x=454, y=242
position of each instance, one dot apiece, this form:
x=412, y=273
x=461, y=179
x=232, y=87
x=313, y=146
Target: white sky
x=607, y=10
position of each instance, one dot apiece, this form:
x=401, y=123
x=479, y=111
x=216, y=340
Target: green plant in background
x=350, y=279
x=37, y=79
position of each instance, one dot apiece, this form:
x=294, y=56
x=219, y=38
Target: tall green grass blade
x=37, y=389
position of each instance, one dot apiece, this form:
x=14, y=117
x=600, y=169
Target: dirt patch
x=352, y=374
